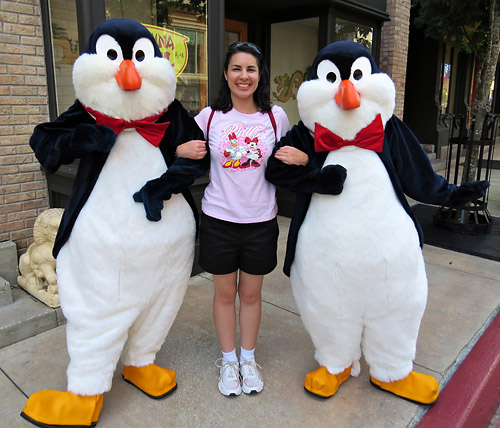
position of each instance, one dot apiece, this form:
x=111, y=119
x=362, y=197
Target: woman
x=239, y=229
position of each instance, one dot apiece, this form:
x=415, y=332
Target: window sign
x=445, y=87
x=173, y=46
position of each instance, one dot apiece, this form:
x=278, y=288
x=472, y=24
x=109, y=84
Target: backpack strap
x=209, y=122
x=273, y=122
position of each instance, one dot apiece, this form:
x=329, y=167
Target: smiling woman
x=243, y=78
x=239, y=230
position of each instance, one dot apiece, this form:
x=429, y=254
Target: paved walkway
x=464, y=297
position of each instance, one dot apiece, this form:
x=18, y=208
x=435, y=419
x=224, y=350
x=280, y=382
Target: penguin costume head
x=345, y=91
x=121, y=72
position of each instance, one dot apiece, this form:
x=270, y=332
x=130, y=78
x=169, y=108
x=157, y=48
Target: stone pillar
x=5, y=293
x=8, y=262
x=8, y=271
x=394, y=48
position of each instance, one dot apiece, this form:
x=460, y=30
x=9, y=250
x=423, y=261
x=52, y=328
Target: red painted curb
x=471, y=396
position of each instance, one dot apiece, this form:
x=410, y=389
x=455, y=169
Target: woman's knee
x=250, y=296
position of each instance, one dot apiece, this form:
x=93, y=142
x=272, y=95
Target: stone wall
x=394, y=48
x=23, y=104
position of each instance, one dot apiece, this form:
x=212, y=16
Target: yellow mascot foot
x=62, y=409
x=416, y=387
x=323, y=384
x=155, y=381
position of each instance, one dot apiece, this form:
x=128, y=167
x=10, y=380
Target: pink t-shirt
x=240, y=145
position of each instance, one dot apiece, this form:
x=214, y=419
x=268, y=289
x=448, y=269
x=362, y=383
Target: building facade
x=40, y=39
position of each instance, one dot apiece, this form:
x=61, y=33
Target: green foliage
x=463, y=23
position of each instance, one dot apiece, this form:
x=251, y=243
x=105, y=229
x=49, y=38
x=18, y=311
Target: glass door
x=290, y=62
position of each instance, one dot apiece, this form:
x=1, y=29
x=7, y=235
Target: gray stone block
x=8, y=262
x=26, y=317
x=5, y=293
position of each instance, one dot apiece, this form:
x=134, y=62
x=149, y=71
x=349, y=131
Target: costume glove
x=331, y=179
x=152, y=195
x=469, y=191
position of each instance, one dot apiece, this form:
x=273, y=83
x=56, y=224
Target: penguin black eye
x=107, y=47
x=331, y=77
x=361, y=68
x=140, y=55
x=358, y=74
x=143, y=50
x=112, y=54
x=328, y=72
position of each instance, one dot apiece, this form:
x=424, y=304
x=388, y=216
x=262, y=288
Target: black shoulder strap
x=271, y=116
x=209, y=121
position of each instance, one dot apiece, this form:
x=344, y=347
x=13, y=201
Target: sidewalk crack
x=14, y=383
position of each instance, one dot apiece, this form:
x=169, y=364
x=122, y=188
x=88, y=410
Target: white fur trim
x=316, y=103
x=96, y=87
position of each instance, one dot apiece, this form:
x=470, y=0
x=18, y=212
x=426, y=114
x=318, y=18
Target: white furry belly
x=361, y=241
x=112, y=241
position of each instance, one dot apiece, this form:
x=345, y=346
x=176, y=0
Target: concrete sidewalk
x=464, y=296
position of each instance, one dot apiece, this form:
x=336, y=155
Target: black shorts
x=226, y=247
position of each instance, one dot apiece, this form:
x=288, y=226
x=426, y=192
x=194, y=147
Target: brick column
x=23, y=104
x=394, y=48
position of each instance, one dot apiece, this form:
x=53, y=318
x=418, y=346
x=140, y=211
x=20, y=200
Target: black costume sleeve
x=73, y=135
x=416, y=175
x=310, y=178
x=182, y=172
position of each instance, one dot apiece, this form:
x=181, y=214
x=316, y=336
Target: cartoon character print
x=241, y=147
x=233, y=152
x=253, y=152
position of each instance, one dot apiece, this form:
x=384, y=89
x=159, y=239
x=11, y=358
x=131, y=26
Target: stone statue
x=37, y=266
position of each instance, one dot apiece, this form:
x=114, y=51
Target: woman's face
x=242, y=75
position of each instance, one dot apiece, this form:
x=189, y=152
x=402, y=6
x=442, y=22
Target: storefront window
x=347, y=30
x=65, y=50
x=180, y=29
x=290, y=62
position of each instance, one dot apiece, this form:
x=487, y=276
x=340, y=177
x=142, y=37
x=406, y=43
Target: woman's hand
x=194, y=149
x=291, y=156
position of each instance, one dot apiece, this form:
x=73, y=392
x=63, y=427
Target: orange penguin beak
x=347, y=97
x=127, y=77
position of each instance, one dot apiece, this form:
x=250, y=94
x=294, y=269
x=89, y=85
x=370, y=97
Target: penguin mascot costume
x=124, y=256
x=354, y=248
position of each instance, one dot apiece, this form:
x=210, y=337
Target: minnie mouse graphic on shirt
x=253, y=152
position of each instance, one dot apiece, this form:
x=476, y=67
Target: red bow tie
x=147, y=127
x=371, y=137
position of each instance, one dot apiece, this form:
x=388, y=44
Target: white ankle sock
x=230, y=356
x=247, y=354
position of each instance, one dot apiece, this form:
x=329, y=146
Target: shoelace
x=227, y=365
x=251, y=366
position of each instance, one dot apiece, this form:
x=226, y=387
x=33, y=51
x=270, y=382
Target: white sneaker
x=251, y=378
x=229, y=379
